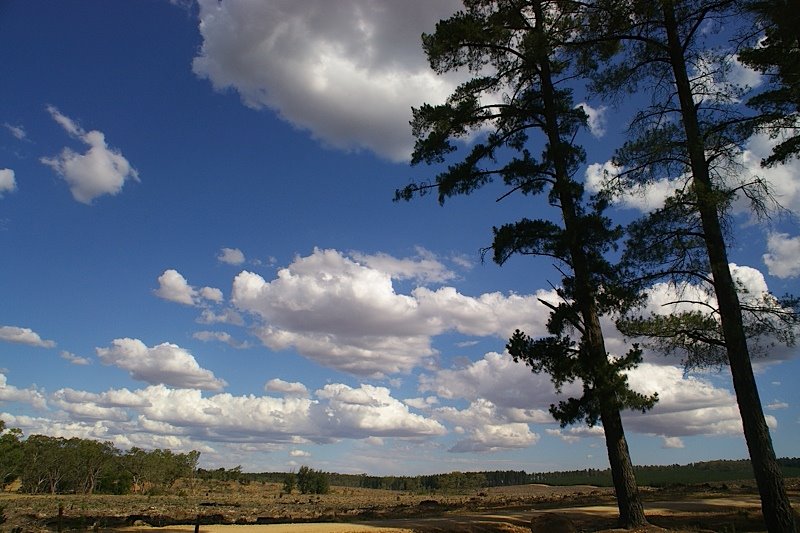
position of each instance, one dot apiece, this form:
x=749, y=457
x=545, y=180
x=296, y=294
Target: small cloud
x=24, y=336
x=232, y=256
x=227, y=316
x=74, y=359
x=173, y=286
x=672, y=442
x=463, y=261
x=212, y=294
x=17, y=131
x=774, y=406
x=284, y=387
x=220, y=336
x=576, y=433
x=374, y=441
x=101, y=170
x=7, y=181
x=466, y=344
x=569, y=439
x=596, y=119
x=421, y=403
x=299, y=453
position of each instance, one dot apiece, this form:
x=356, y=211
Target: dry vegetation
x=719, y=507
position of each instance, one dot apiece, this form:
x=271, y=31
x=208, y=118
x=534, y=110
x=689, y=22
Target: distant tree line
x=461, y=482
x=56, y=465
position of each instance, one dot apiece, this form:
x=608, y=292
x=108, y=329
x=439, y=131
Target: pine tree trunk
x=775, y=504
x=631, y=511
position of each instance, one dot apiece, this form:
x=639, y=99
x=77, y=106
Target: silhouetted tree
x=692, y=127
x=518, y=53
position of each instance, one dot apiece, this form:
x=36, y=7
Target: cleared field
x=236, y=508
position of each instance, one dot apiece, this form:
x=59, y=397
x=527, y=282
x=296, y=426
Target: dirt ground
x=257, y=508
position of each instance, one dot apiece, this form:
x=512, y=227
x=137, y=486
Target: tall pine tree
x=517, y=52
x=692, y=127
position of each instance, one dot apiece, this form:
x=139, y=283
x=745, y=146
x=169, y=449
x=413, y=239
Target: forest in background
x=44, y=464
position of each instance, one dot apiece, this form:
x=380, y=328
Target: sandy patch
x=271, y=528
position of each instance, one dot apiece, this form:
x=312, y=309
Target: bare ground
x=256, y=508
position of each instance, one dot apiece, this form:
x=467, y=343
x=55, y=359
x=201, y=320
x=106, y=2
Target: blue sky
x=200, y=251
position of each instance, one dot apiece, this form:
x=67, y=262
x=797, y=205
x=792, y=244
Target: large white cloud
x=347, y=71
x=347, y=315
x=24, y=336
x=101, y=170
x=164, y=363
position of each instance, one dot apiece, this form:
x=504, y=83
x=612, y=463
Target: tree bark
x=775, y=504
x=631, y=511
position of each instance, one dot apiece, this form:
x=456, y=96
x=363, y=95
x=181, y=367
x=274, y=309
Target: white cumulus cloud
x=232, y=256
x=74, y=359
x=164, y=363
x=187, y=416
x=783, y=255
x=687, y=405
x=486, y=429
x=347, y=71
x=369, y=411
x=642, y=197
x=10, y=393
x=101, y=170
x=672, y=442
x=173, y=286
x=285, y=387
x=348, y=316
x=425, y=268
x=24, y=336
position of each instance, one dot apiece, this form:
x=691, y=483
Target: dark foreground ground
x=732, y=507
